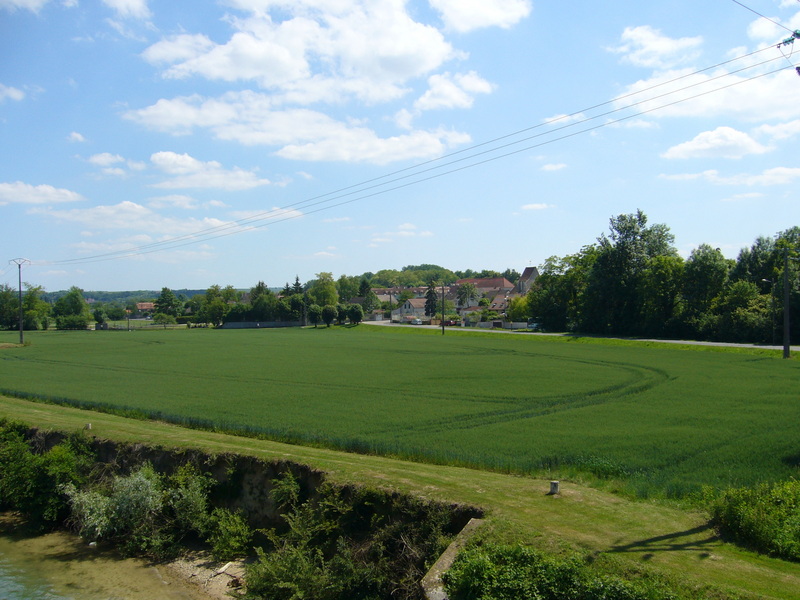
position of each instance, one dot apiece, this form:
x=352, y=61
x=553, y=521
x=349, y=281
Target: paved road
x=685, y=342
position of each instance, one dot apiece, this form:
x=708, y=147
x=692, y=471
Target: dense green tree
x=347, y=287
x=297, y=288
x=612, y=297
x=704, y=277
x=323, y=291
x=164, y=319
x=262, y=303
x=72, y=311
x=466, y=293
x=659, y=289
x=167, y=303
x=315, y=314
x=431, y=299
x=355, y=313
x=36, y=311
x=329, y=314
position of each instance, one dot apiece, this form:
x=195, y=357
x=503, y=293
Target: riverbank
x=65, y=566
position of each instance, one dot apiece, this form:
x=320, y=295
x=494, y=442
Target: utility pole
x=787, y=298
x=19, y=262
x=442, y=306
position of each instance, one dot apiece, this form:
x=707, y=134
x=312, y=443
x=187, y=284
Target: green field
x=662, y=419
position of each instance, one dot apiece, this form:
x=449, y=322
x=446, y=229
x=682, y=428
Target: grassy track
x=665, y=420
x=644, y=534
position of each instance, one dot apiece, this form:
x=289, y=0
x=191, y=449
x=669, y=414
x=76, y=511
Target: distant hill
x=122, y=297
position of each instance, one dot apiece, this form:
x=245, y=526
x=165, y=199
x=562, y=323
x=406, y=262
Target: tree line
x=632, y=282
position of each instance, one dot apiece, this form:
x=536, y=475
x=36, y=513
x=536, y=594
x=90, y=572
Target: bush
x=33, y=483
x=230, y=535
x=496, y=572
x=765, y=518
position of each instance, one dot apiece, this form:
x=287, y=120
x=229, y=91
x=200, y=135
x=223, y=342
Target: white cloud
x=782, y=131
x=714, y=94
x=645, y=46
x=313, y=51
x=105, y=159
x=131, y=216
x=452, y=91
x=723, y=142
x=744, y=197
x=336, y=220
x=76, y=137
x=11, y=93
x=129, y=9
x=468, y=15
x=536, y=206
x=31, y=5
x=23, y=193
x=554, y=167
x=173, y=201
x=774, y=176
x=188, y=172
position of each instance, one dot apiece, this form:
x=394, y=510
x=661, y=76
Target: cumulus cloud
x=452, y=91
x=188, y=172
x=11, y=93
x=647, y=47
x=467, y=15
x=723, y=142
x=24, y=193
x=774, y=176
x=31, y=5
x=131, y=216
x=554, y=167
x=76, y=137
x=322, y=51
x=782, y=131
x=129, y=9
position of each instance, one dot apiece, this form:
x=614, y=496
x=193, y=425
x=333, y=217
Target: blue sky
x=185, y=143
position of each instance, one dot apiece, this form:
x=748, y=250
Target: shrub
x=765, y=518
x=33, y=483
x=497, y=572
x=230, y=535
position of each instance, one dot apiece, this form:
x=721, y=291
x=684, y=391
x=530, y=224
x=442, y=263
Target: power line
x=762, y=16
x=325, y=201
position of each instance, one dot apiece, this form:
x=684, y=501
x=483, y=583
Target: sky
x=185, y=143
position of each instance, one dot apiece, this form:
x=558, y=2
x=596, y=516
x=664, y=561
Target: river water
x=61, y=566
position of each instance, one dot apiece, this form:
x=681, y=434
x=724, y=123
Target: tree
x=329, y=314
x=613, y=303
x=705, y=274
x=167, y=303
x=431, y=299
x=35, y=310
x=466, y=292
x=297, y=288
x=347, y=287
x=164, y=319
x=660, y=288
x=355, y=313
x=323, y=291
x=315, y=314
x=72, y=310
x=262, y=303
x=370, y=302
x=518, y=309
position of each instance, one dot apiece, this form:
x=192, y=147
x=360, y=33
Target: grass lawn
x=664, y=420
x=645, y=534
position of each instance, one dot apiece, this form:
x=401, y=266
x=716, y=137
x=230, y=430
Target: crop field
x=665, y=420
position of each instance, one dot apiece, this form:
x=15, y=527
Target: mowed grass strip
x=664, y=420
x=645, y=534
